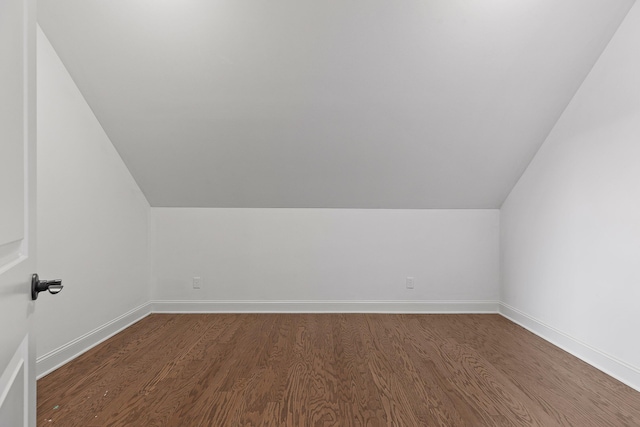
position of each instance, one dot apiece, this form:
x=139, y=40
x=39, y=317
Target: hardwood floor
x=331, y=370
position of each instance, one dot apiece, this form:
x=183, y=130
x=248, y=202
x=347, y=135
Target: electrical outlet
x=410, y=282
x=197, y=282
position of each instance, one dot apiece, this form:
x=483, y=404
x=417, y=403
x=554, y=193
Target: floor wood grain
x=331, y=370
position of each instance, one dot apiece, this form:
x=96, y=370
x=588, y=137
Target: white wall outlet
x=410, y=282
x=197, y=282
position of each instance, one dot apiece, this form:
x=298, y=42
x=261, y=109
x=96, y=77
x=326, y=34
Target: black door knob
x=37, y=286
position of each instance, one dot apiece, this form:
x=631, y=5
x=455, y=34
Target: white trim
x=610, y=365
x=51, y=361
x=324, y=306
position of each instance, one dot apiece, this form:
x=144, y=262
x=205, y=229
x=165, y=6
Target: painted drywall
x=325, y=254
x=571, y=227
x=329, y=104
x=92, y=217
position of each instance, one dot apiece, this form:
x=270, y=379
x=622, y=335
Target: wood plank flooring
x=331, y=370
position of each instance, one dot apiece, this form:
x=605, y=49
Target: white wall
x=570, y=230
x=326, y=254
x=571, y=226
x=92, y=217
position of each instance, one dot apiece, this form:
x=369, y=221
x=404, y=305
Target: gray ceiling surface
x=332, y=103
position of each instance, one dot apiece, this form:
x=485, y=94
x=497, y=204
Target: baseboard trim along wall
x=623, y=372
x=325, y=307
x=51, y=361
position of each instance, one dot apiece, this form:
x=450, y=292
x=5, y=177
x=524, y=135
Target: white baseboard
x=51, y=361
x=325, y=307
x=623, y=372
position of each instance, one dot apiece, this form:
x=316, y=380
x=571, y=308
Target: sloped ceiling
x=329, y=103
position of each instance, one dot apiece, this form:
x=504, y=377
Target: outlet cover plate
x=410, y=282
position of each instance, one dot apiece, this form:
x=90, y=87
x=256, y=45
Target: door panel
x=14, y=383
x=11, y=122
x=17, y=211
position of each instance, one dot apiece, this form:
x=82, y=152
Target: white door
x=17, y=212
